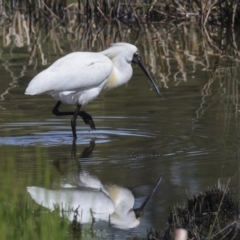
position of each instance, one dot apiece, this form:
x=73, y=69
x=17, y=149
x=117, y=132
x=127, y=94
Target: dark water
x=190, y=136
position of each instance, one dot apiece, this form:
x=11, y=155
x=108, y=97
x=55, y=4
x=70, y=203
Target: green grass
x=20, y=217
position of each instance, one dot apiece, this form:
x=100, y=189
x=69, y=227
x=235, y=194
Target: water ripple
x=52, y=138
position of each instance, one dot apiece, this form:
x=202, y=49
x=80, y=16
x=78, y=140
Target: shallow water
x=190, y=136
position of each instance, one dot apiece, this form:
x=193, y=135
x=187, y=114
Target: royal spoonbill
x=79, y=77
x=89, y=199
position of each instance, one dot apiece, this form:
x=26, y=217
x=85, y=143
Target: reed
x=216, y=12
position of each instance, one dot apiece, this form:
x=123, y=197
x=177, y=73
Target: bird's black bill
x=139, y=211
x=138, y=61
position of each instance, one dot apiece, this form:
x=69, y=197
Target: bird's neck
x=121, y=74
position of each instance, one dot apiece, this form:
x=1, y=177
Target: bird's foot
x=87, y=119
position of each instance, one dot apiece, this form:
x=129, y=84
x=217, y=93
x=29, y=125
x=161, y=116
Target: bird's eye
x=135, y=54
x=136, y=58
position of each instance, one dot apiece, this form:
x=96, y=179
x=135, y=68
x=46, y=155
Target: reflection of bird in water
x=79, y=77
x=89, y=199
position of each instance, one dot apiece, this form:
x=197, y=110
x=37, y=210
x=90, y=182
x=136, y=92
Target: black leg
x=87, y=118
x=55, y=109
x=74, y=121
x=57, y=113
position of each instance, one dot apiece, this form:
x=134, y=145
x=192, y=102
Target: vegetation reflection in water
x=76, y=203
x=162, y=47
x=20, y=218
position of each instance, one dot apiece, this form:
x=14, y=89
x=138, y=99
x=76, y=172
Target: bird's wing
x=75, y=72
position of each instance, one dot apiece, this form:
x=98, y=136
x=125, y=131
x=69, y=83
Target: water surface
x=190, y=136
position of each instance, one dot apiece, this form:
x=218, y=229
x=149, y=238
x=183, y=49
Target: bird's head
x=122, y=52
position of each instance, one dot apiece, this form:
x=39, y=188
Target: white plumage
x=80, y=76
x=71, y=78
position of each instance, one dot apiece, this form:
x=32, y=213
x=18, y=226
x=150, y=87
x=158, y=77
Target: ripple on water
x=59, y=136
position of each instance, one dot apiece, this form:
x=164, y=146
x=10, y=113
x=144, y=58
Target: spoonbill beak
x=137, y=59
x=139, y=211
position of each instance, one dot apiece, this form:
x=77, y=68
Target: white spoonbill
x=79, y=77
x=91, y=199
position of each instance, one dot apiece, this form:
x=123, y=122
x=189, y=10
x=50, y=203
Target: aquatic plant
x=212, y=214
